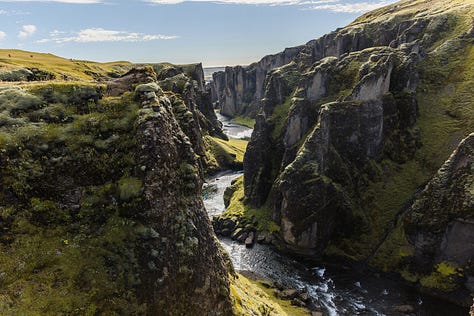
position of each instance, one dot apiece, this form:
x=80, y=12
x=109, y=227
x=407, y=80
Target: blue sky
x=222, y=32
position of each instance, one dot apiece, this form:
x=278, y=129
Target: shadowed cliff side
x=354, y=125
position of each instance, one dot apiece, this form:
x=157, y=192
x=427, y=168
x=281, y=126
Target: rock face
x=101, y=209
x=188, y=274
x=238, y=90
x=193, y=109
x=350, y=126
x=440, y=224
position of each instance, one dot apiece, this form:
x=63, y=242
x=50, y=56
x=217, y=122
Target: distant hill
x=19, y=65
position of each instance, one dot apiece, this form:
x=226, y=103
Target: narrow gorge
x=132, y=189
x=350, y=132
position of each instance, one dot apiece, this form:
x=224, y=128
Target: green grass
x=224, y=154
x=260, y=217
x=446, y=115
x=232, y=146
x=279, y=115
x=251, y=297
x=245, y=121
x=60, y=259
x=60, y=67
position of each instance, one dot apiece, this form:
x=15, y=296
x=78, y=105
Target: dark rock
x=249, y=241
x=288, y=294
x=298, y=302
x=242, y=237
x=404, y=309
x=226, y=232
x=303, y=296
x=237, y=233
x=165, y=151
x=129, y=80
x=440, y=223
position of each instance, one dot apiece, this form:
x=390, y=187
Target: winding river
x=333, y=290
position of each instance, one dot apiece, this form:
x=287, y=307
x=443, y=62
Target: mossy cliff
x=351, y=126
x=100, y=204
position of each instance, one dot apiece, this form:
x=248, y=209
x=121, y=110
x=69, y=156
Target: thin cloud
x=27, y=31
x=3, y=35
x=328, y=5
x=14, y=12
x=359, y=7
x=254, y=2
x=94, y=35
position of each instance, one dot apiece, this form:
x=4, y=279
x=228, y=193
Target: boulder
x=249, y=241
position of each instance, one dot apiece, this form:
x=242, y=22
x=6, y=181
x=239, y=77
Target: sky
x=216, y=33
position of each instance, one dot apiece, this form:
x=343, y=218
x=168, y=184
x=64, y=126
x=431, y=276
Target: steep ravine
x=334, y=290
x=350, y=128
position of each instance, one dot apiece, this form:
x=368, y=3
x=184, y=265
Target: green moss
x=343, y=80
x=224, y=153
x=260, y=219
x=130, y=187
x=409, y=276
x=68, y=244
x=445, y=117
x=55, y=272
x=278, y=117
x=244, y=120
x=443, y=278
x=251, y=297
x=392, y=252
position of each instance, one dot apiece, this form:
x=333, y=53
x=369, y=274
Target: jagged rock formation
x=350, y=127
x=186, y=272
x=440, y=225
x=238, y=89
x=193, y=108
x=100, y=205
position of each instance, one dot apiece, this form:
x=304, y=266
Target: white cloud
x=358, y=7
x=62, y=1
x=14, y=12
x=26, y=31
x=329, y=5
x=2, y=35
x=101, y=35
x=255, y=2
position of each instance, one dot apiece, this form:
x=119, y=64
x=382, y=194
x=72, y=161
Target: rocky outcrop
x=129, y=80
x=104, y=204
x=193, y=108
x=187, y=274
x=354, y=126
x=238, y=90
x=440, y=225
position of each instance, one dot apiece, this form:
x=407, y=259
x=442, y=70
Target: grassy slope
x=222, y=154
x=77, y=69
x=261, y=217
x=244, y=120
x=251, y=297
x=446, y=115
x=53, y=260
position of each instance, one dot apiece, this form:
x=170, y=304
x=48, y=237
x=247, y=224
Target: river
x=334, y=290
